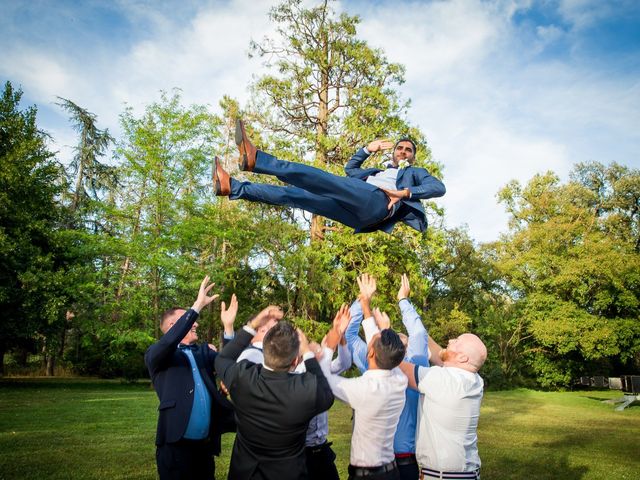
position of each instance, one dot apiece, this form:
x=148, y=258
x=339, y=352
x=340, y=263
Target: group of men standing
x=415, y=405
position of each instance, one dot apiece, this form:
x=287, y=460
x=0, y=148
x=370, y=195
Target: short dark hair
x=168, y=313
x=389, y=349
x=280, y=346
x=407, y=139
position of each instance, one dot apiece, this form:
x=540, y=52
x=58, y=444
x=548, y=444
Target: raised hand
x=228, y=315
x=367, y=285
x=377, y=145
x=405, y=288
x=304, y=342
x=204, y=298
x=382, y=319
x=316, y=349
x=342, y=319
x=272, y=312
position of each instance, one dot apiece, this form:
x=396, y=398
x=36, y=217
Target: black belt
x=406, y=460
x=430, y=473
x=367, y=471
x=318, y=448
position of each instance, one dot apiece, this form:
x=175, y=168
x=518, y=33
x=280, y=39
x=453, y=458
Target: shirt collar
x=378, y=372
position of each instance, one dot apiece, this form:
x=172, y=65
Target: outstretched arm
x=357, y=346
x=417, y=350
x=228, y=316
x=226, y=359
x=324, y=394
x=167, y=344
x=411, y=372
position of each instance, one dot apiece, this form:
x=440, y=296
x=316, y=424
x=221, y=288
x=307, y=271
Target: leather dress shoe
x=247, y=160
x=221, y=180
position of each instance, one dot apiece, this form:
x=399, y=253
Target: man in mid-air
x=368, y=199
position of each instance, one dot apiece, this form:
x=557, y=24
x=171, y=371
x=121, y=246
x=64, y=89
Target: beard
x=445, y=355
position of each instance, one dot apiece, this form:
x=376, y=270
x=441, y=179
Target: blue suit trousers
x=350, y=201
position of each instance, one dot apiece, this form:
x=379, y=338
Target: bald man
x=449, y=408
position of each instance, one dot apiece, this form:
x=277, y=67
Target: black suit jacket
x=272, y=410
x=170, y=372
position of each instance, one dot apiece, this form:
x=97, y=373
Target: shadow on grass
x=542, y=468
x=67, y=383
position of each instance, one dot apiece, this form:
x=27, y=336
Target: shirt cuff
x=250, y=330
x=197, y=310
x=229, y=336
x=370, y=328
x=308, y=356
x=366, y=151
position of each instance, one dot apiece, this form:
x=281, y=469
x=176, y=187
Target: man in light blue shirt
x=192, y=414
x=404, y=444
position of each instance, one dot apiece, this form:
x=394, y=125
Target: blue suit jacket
x=416, y=179
x=172, y=379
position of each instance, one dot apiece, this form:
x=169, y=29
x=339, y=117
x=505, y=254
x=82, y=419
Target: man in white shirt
x=449, y=408
x=377, y=396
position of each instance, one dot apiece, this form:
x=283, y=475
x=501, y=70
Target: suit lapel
x=401, y=172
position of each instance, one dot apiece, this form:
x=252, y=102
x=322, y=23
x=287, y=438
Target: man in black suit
x=273, y=406
x=192, y=413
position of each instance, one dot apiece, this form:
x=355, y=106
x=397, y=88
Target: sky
x=502, y=89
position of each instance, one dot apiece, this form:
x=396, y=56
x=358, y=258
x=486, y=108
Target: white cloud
x=38, y=72
x=492, y=107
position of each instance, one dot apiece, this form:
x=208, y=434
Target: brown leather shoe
x=221, y=180
x=247, y=150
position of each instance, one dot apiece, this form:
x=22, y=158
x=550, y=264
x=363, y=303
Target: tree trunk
x=317, y=222
x=51, y=365
x=2, y=352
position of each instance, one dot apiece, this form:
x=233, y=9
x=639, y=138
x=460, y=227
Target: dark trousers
x=408, y=468
x=390, y=475
x=186, y=459
x=350, y=201
x=321, y=462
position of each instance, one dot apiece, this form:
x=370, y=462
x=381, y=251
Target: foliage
x=92, y=254
x=31, y=259
x=576, y=276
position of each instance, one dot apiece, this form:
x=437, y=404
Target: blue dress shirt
x=200, y=419
x=404, y=440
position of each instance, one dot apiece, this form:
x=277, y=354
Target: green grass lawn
x=63, y=428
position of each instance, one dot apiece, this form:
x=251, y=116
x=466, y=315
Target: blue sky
x=502, y=89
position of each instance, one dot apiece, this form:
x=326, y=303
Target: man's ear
x=371, y=352
x=295, y=363
x=462, y=358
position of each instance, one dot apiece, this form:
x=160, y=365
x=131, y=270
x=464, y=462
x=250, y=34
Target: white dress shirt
x=319, y=425
x=448, y=412
x=377, y=398
x=385, y=179
x=253, y=353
